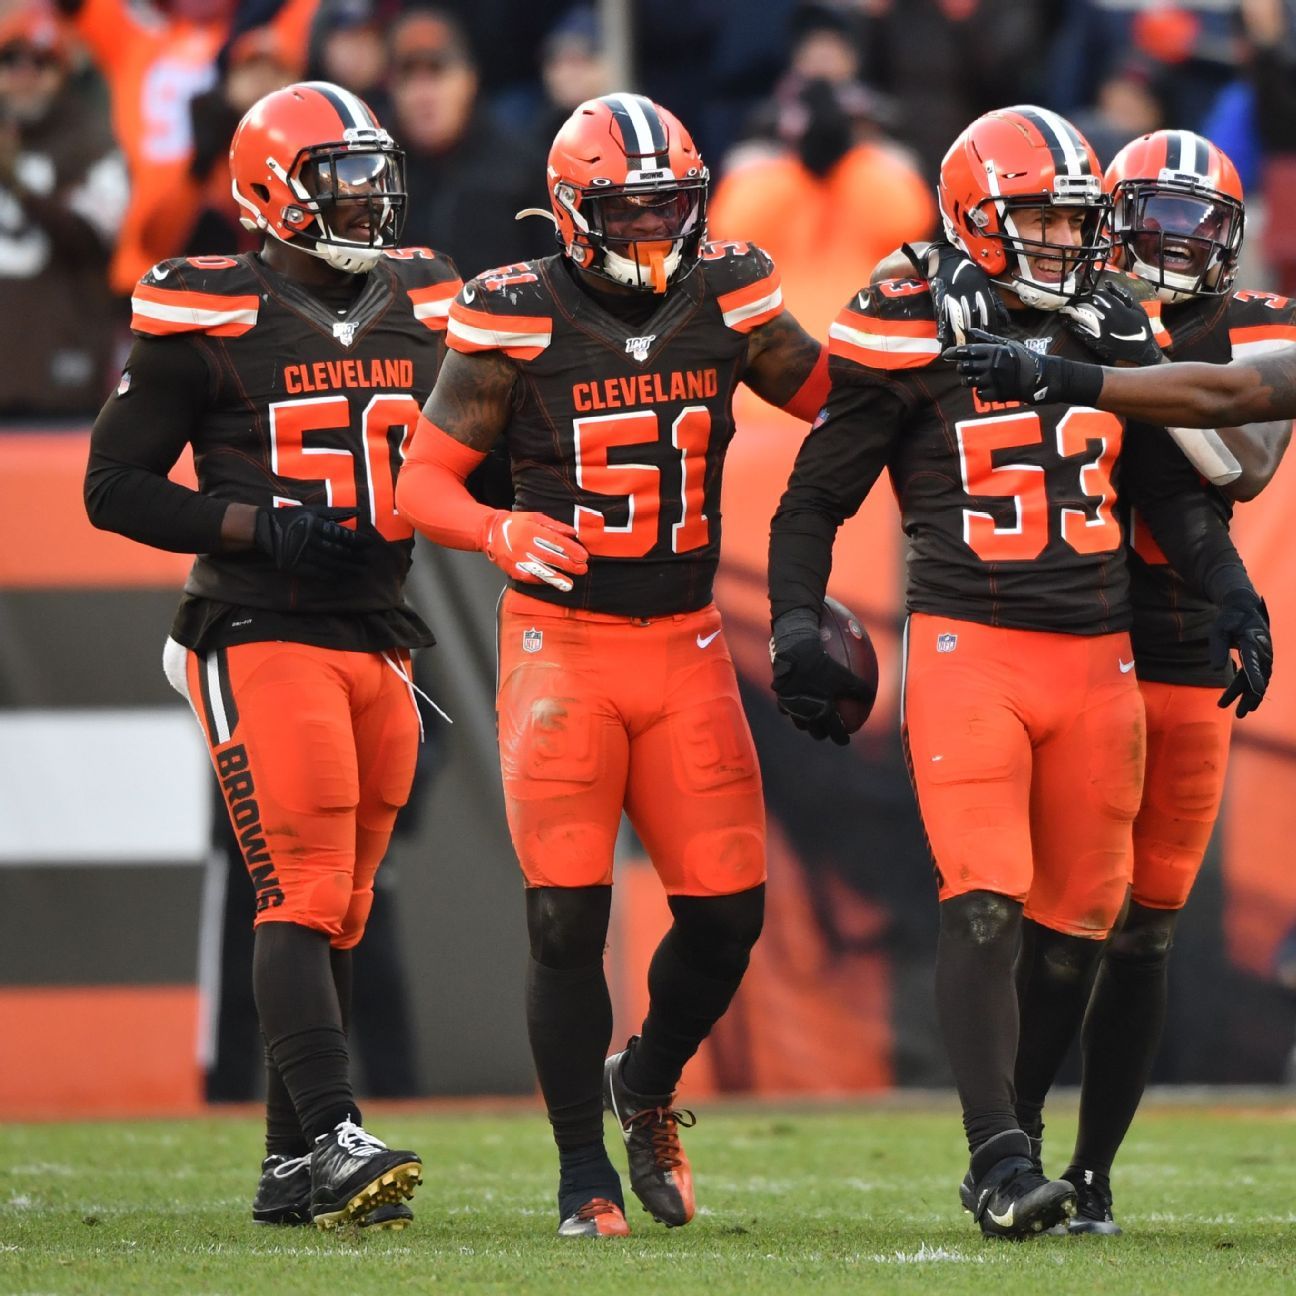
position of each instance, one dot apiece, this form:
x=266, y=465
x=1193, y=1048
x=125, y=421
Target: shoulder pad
x=744, y=282
x=508, y=309
x=210, y=294
x=1259, y=322
x=1146, y=295
x=429, y=279
x=889, y=325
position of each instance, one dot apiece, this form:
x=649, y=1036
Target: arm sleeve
x=1186, y=519
x=835, y=470
x=137, y=438
x=431, y=494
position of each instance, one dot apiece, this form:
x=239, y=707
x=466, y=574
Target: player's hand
x=1242, y=625
x=535, y=548
x=308, y=538
x=808, y=683
x=962, y=294
x=1113, y=326
x=1000, y=370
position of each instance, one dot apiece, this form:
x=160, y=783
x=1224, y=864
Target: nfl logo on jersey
x=1039, y=345
x=345, y=331
x=638, y=347
x=946, y=642
x=532, y=640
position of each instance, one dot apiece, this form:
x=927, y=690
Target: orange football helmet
x=1017, y=158
x=1178, y=213
x=311, y=165
x=628, y=190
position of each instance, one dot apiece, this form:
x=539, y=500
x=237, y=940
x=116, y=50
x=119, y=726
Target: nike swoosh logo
x=1006, y=1219
x=1125, y=666
x=469, y=293
x=703, y=640
x=1131, y=337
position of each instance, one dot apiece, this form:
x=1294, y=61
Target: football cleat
x=387, y=1218
x=660, y=1174
x=283, y=1195
x=353, y=1173
x=1008, y=1196
x=1093, y=1204
x=597, y=1218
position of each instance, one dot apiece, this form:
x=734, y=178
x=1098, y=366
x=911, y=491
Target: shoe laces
x=357, y=1140
x=662, y=1127
x=289, y=1166
x=597, y=1206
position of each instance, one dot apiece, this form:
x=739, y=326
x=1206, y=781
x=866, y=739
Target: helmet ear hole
x=261, y=192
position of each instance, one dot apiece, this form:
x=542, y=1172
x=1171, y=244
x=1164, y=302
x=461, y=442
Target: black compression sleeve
x=1184, y=516
x=836, y=468
x=137, y=438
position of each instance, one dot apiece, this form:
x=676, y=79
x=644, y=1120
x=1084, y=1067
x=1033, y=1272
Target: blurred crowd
x=823, y=122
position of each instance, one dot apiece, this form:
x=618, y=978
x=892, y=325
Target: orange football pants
x=599, y=714
x=314, y=749
x=1187, y=757
x=1026, y=750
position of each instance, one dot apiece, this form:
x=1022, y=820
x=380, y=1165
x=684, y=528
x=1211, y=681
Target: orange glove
x=535, y=548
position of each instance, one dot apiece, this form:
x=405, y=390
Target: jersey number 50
x=1028, y=536
x=347, y=477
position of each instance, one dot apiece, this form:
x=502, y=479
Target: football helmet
x=310, y=165
x=628, y=189
x=1178, y=214
x=1021, y=158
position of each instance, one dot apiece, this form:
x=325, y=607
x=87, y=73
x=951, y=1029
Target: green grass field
x=859, y=1200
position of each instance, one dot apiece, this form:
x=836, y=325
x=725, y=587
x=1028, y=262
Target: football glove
x=1003, y=370
x=962, y=294
x=1113, y=326
x=1242, y=624
x=308, y=538
x=808, y=683
x=534, y=548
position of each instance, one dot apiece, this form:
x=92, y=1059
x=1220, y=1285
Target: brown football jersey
x=1171, y=623
x=1008, y=509
x=305, y=403
x=622, y=430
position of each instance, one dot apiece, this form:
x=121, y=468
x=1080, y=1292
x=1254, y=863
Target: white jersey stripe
x=194, y=315
x=883, y=341
x=740, y=313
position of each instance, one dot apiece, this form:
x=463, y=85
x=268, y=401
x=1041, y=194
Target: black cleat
x=1093, y=1204
x=660, y=1174
x=387, y=1218
x=353, y=1173
x=1008, y=1196
x=284, y=1194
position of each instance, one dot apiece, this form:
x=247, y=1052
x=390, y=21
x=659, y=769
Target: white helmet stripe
x=349, y=106
x=1064, y=135
x=632, y=110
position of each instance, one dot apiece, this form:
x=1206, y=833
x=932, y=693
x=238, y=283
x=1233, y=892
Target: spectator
x=1129, y=104
x=63, y=191
x=573, y=68
x=465, y=175
x=348, y=47
x=827, y=196
x=201, y=217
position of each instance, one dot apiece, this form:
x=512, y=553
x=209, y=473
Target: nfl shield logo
x=345, y=331
x=1039, y=345
x=532, y=640
x=946, y=642
x=638, y=347
x=124, y=386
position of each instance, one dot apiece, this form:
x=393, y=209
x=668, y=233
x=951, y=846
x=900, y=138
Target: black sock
x=569, y=1010
x=298, y=1006
x=1054, y=975
x=1122, y=1030
x=341, y=965
x=976, y=1002
x=692, y=979
x=584, y=1172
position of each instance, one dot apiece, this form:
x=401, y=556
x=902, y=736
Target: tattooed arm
x=469, y=408
x=787, y=367
x=1259, y=448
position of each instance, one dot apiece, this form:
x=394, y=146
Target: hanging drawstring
x=413, y=688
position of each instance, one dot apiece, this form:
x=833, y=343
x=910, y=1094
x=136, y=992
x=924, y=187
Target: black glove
x=962, y=294
x=1003, y=370
x=1113, y=326
x=308, y=538
x=1242, y=623
x=808, y=683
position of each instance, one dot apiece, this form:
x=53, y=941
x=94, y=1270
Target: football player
x=608, y=371
x=1178, y=219
x=296, y=374
x=1021, y=715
